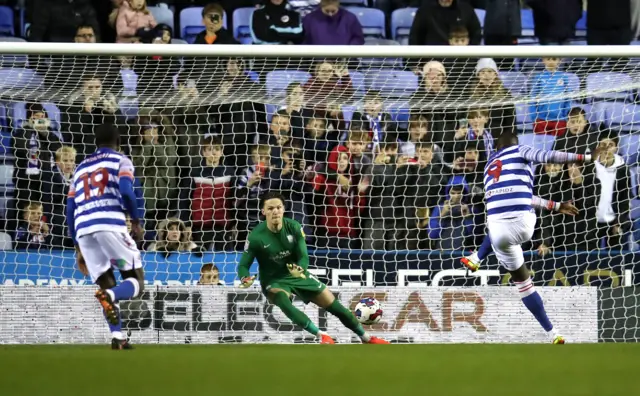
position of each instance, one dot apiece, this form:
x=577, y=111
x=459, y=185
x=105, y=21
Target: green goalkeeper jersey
x=274, y=250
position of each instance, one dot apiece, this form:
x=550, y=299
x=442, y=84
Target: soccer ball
x=368, y=311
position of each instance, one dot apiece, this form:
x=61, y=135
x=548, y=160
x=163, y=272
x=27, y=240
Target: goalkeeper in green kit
x=279, y=247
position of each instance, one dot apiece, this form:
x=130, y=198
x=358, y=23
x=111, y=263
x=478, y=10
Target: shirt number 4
x=98, y=179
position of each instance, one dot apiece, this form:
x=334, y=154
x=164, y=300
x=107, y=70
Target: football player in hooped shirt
x=279, y=247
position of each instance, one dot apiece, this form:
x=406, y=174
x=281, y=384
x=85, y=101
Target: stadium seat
x=129, y=107
x=604, y=81
x=178, y=41
x=358, y=82
x=271, y=110
x=629, y=148
x=401, y=21
x=515, y=82
x=581, y=25
x=347, y=112
x=524, y=121
x=372, y=20
x=399, y=112
x=254, y=76
x=242, y=24
x=526, y=18
x=278, y=80
x=5, y=133
x=7, y=27
x=19, y=78
x=540, y=142
x=8, y=60
x=480, y=13
x=191, y=23
x=392, y=83
x=6, y=175
x=163, y=15
x=5, y=241
x=18, y=114
x=623, y=117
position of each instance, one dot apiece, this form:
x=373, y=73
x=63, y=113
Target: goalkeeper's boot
x=559, y=340
x=471, y=262
x=326, y=339
x=376, y=340
x=117, y=344
x=110, y=309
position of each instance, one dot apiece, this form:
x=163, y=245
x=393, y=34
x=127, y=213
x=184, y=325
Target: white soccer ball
x=368, y=311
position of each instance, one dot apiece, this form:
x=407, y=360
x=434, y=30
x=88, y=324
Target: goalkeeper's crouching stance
x=279, y=247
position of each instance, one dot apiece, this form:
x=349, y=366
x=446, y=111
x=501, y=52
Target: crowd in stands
x=364, y=179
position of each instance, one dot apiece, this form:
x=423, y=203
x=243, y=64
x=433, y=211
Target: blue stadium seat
x=609, y=81
x=401, y=21
x=9, y=60
x=278, y=80
x=178, y=41
x=129, y=82
x=629, y=148
x=524, y=121
x=347, y=112
x=7, y=27
x=129, y=107
x=19, y=78
x=399, y=112
x=480, y=13
x=18, y=114
x=5, y=133
x=526, y=18
x=515, y=82
x=191, y=23
x=358, y=82
x=623, y=117
x=242, y=24
x=581, y=25
x=392, y=83
x=163, y=15
x=597, y=112
x=540, y=142
x=254, y=76
x=372, y=20
x=271, y=110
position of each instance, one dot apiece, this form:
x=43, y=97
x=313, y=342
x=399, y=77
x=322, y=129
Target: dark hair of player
x=507, y=139
x=271, y=195
x=107, y=135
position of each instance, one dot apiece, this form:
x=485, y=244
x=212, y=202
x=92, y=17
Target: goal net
x=379, y=152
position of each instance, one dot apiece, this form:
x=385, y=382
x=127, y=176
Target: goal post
x=379, y=152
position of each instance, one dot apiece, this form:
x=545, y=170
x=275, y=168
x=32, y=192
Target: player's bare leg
x=282, y=299
x=328, y=301
x=531, y=299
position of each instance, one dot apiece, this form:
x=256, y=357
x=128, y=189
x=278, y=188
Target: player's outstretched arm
x=567, y=208
x=552, y=156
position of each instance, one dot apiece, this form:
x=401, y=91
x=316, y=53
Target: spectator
x=87, y=107
x=489, y=92
x=210, y=275
x=550, y=114
x=461, y=71
x=156, y=73
x=214, y=33
x=302, y=7
x=614, y=196
x=548, y=184
x=609, y=22
x=56, y=20
x=317, y=140
x=154, y=155
x=55, y=188
x=469, y=164
x=502, y=22
x=294, y=103
x=85, y=34
x=132, y=16
x=332, y=25
x=359, y=138
x=474, y=128
x=172, y=236
x=379, y=122
x=451, y=223
x=237, y=82
x=33, y=231
x=294, y=182
x=34, y=143
x=418, y=130
x=555, y=20
x=274, y=23
x=279, y=131
x=430, y=96
x=581, y=137
x=336, y=202
x=206, y=198
x=330, y=83
x=435, y=19
x=253, y=181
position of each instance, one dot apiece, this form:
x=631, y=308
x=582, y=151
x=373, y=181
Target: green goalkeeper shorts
x=306, y=289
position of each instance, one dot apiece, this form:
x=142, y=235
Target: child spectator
x=451, y=223
x=293, y=106
x=33, y=231
x=550, y=114
x=210, y=275
x=581, y=138
x=331, y=24
x=214, y=33
x=474, y=129
x=294, y=182
x=317, y=140
x=489, y=91
x=133, y=15
x=330, y=83
x=418, y=129
x=335, y=203
x=55, y=189
x=279, y=130
x=206, y=197
x=548, y=185
x=172, y=236
x=378, y=121
x=461, y=70
x=432, y=93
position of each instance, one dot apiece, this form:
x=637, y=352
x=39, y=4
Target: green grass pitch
x=310, y=370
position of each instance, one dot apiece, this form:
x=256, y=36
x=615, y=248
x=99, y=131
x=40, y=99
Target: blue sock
x=485, y=249
x=126, y=290
x=534, y=304
x=116, y=330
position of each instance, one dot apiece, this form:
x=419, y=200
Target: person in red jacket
x=206, y=198
x=337, y=202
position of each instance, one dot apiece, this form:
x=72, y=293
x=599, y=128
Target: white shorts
x=507, y=237
x=106, y=249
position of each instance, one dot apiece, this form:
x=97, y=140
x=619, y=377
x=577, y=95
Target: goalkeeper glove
x=247, y=281
x=296, y=271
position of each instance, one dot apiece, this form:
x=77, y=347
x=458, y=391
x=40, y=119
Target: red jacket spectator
x=338, y=206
